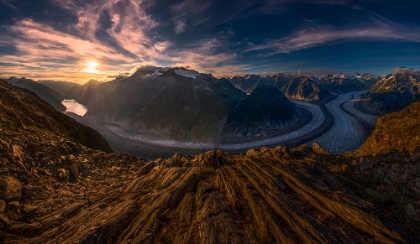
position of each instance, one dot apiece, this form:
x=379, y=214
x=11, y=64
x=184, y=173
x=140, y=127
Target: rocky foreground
x=54, y=188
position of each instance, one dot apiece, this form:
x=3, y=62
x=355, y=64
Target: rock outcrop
x=269, y=195
x=395, y=131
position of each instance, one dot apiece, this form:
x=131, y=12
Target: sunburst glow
x=91, y=68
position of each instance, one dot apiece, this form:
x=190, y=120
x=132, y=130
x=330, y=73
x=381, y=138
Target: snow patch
x=187, y=73
x=156, y=73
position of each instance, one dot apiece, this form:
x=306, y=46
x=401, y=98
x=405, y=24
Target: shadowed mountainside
x=62, y=87
x=265, y=110
x=49, y=95
x=21, y=109
x=177, y=104
x=91, y=92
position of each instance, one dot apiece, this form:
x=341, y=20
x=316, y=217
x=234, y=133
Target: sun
x=91, y=68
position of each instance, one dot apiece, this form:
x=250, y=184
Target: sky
x=77, y=40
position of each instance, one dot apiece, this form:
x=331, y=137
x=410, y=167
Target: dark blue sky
x=78, y=40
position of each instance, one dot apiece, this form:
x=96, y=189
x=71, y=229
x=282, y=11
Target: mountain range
x=60, y=183
x=62, y=87
x=183, y=104
x=392, y=93
x=299, y=88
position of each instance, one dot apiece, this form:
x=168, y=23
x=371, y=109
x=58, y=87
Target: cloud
x=179, y=26
x=39, y=48
x=190, y=11
x=7, y=3
x=321, y=35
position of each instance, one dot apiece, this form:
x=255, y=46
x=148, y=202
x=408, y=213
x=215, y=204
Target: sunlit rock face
x=398, y=131
x=73, y=106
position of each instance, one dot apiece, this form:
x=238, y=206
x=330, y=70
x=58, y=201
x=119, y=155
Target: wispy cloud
x=189, y=12
x=8, y=4
x=179, y=26
x=321, y=35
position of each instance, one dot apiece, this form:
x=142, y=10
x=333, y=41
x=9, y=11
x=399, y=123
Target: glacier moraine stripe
x=318, y=118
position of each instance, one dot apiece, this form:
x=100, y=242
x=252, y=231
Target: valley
x=348, y=132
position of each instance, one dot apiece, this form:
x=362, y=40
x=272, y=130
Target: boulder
x=62, y=175
x=10, y=189
x=4, y=222
x=13, y=210
x=28, y=211
x=74, y=172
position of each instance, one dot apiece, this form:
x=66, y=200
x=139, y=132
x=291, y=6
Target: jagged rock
x=4, y=223
x=62, y=175
x=10, y=188
x=2, y=206
x=84, y=168
x=42, y=171
x=27, y=230
x=176, y=161
x=411, y=211
x=147, y=168
x=28, y=211
x=30, y=191
x=319, y=150
x=13, y=210
x=4, y=227
x=17, y=151
x=212, y=159
x=418, y=182
x=367, y=165
x=74, y=173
